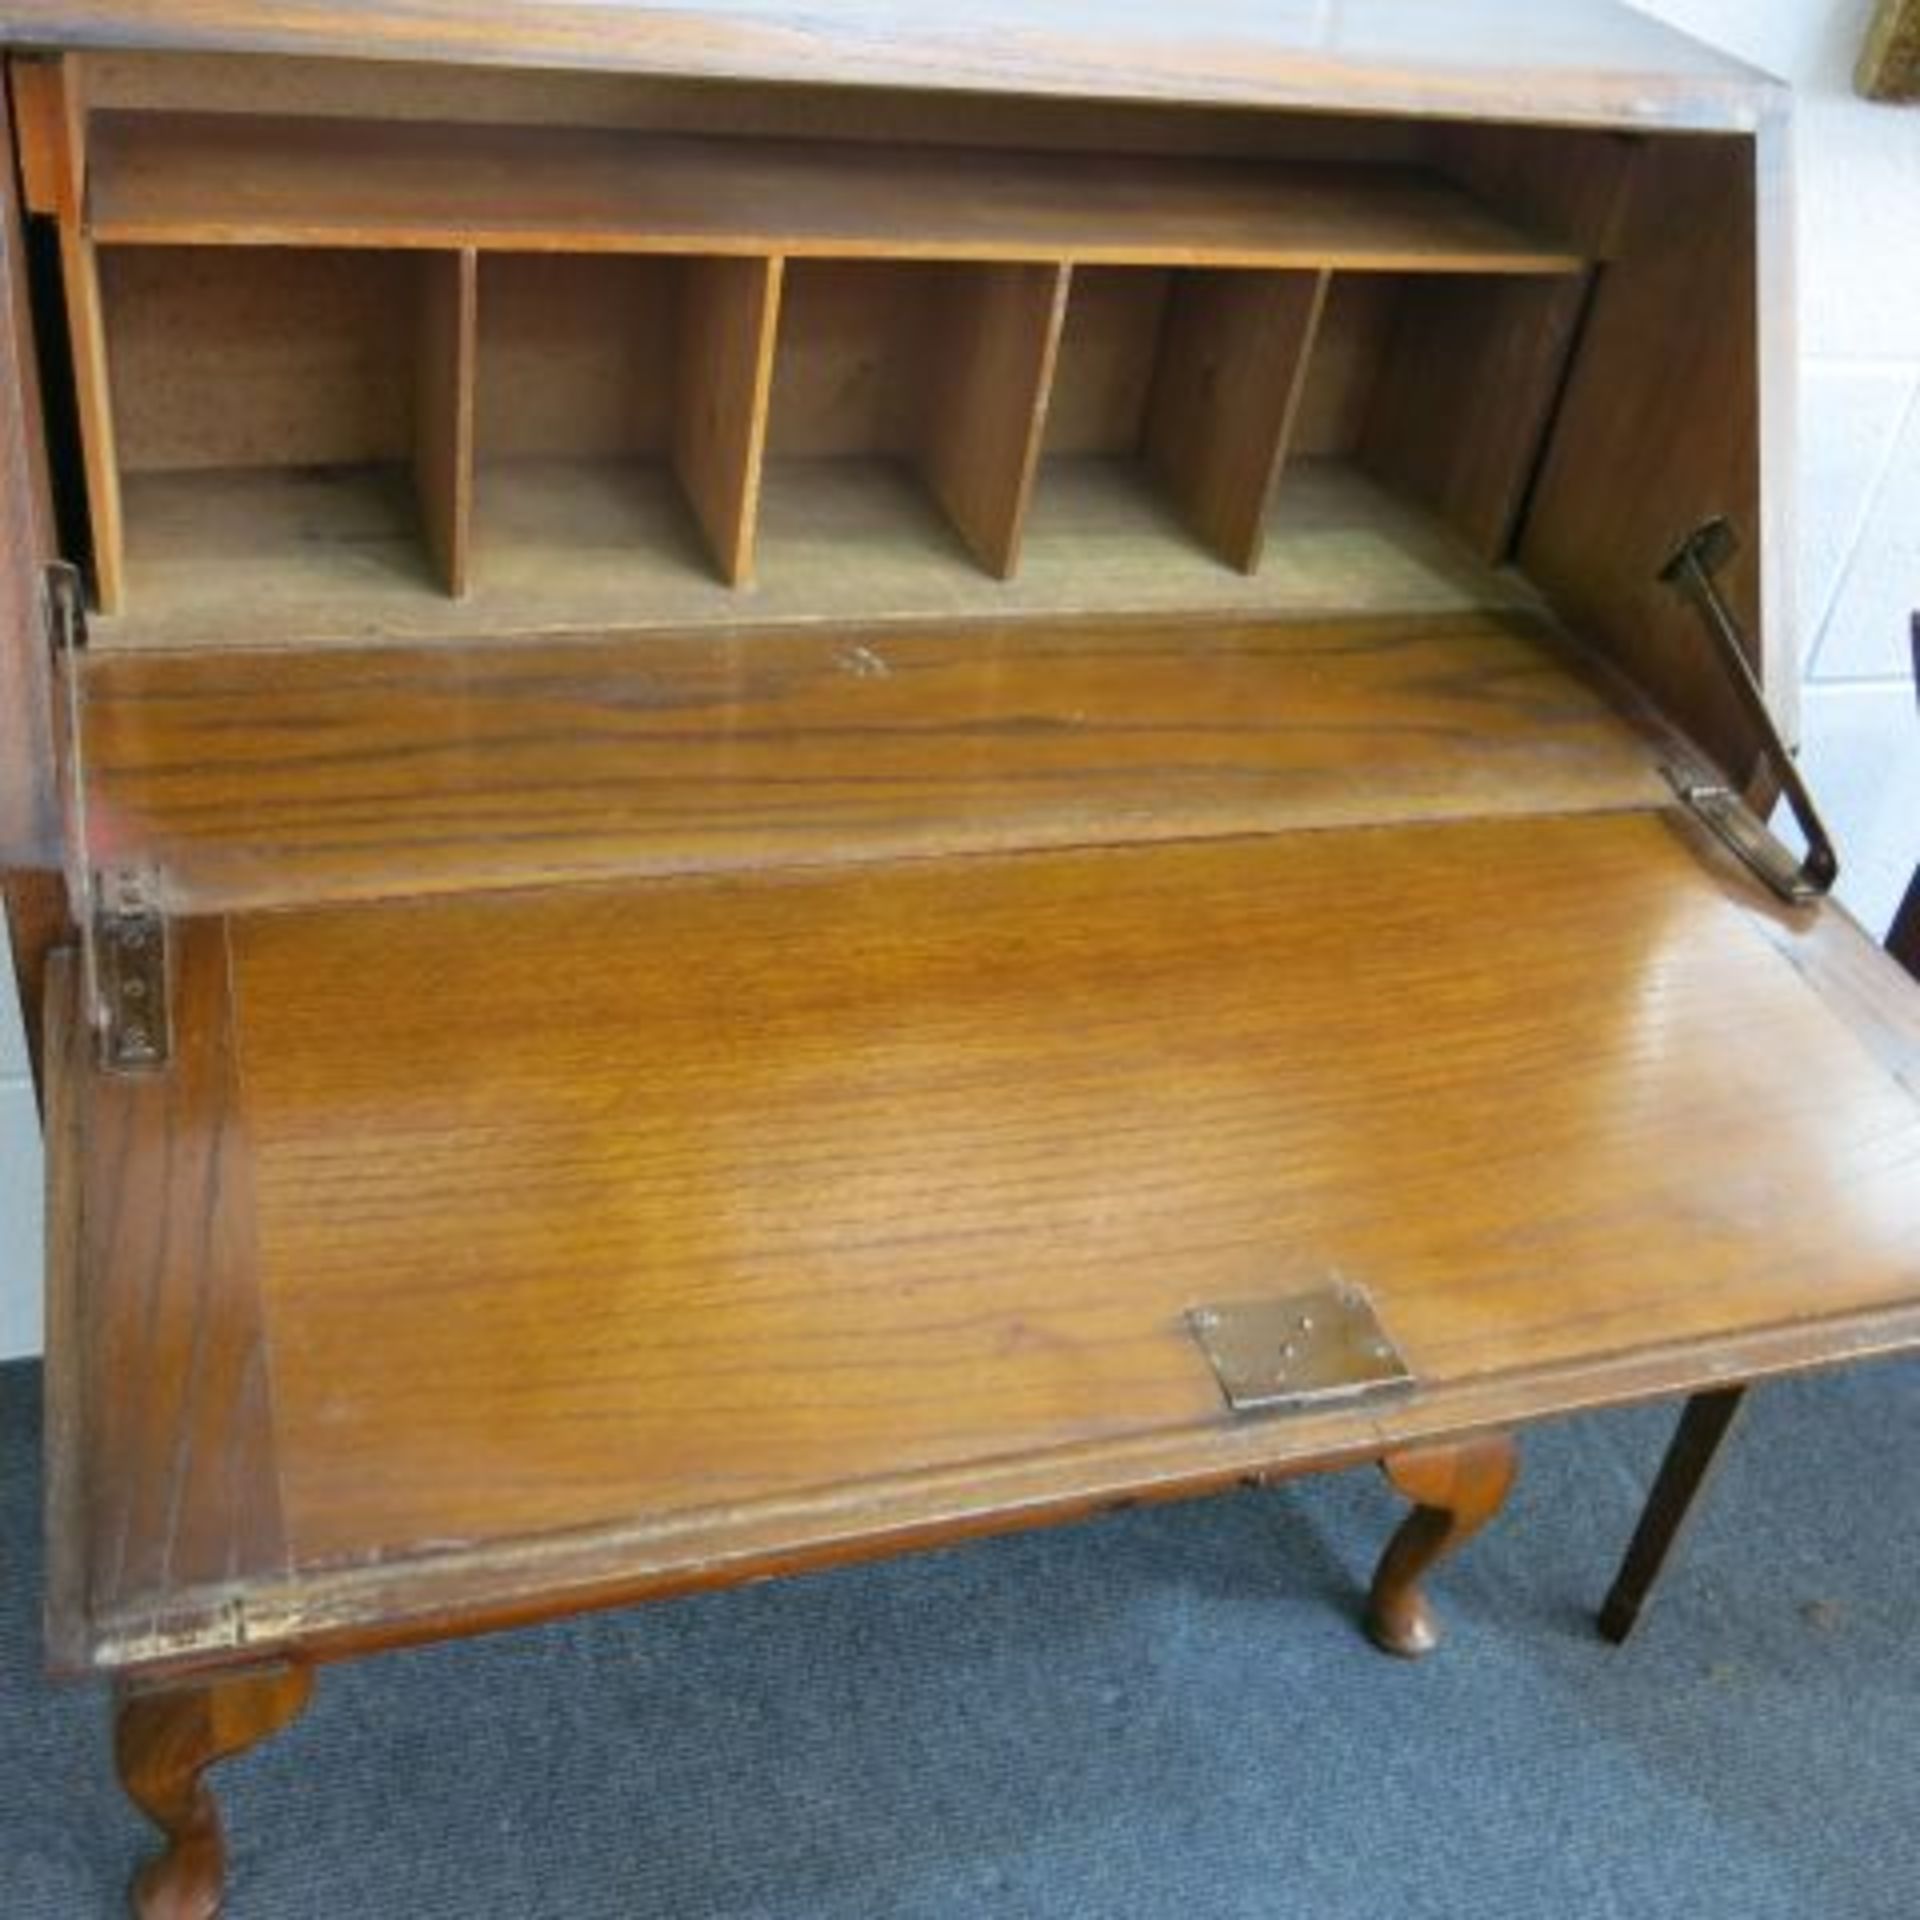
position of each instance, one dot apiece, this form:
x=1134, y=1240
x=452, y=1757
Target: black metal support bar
x=1691, y=570
x=1704, y=1425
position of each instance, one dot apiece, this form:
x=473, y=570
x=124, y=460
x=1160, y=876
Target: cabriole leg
x=166, y=1735
x=1456, y=1489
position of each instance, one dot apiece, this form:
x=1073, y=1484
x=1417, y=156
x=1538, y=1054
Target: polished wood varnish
x=258, y=779
x=834, y=721
x=626, y=1232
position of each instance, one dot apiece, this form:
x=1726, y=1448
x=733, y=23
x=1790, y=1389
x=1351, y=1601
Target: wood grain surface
x=362, y=89
x=1457, y=1489
x=178, y=1456
x=608, y=1241
x=986, y=409
x=49, y=98
x=299, y=357
x=294, y=558
x=1464, y=406
x=263, y=410
x=443, y=411
x=262, y=777
x=1232, y=369
x=237, y=180
x=165, y=1739
x=1601, y=62
x=579, y=354
x=29, y=819
x=738, y=1044
x=1661, y=429
x=725, y=328
x=69, y=1454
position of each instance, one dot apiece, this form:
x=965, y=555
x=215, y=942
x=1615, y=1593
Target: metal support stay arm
x=1691, y=570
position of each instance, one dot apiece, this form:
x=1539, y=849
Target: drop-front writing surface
x=782, y=742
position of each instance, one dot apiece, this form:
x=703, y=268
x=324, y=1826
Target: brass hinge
x=129, y=972
x=1691, y=569
x=1295, y=1351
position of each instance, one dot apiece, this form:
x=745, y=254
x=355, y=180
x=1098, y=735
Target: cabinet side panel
x=1466, y=393
x=29, y=828
x=1777, y=318
x=1661, y=429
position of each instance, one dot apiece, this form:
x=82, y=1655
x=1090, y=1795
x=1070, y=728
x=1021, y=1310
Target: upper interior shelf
x=232, y=179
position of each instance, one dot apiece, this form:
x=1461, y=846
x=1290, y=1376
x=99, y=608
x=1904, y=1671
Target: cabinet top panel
x=1592, y=61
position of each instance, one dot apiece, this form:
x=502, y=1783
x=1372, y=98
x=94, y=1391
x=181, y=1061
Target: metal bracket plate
x=127, y=955
x=1746, y=836
x=1299, y=1350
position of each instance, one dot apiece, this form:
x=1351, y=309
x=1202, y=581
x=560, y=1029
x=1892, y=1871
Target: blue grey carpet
x=1165, y=1715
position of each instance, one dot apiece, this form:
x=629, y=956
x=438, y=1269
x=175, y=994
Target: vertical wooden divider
x=443, y=409
x=1233, y=364
x=50, y=106
x=729, y=320
x=987, y=404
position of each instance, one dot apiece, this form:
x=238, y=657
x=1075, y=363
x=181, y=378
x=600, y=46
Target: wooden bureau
x=793, y=782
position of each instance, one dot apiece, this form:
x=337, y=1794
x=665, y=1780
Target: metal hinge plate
x=123, y=932
x=1299, y=1350
x=128, y=963
x=1746, y=836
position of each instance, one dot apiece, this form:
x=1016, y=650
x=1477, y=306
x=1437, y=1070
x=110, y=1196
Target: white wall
x=19, y=1184
x=1859, y=181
